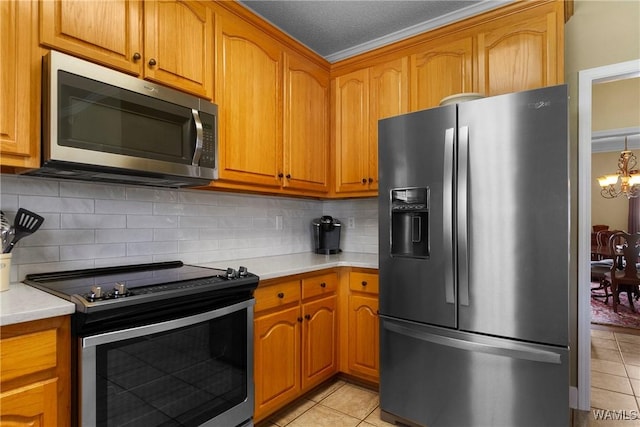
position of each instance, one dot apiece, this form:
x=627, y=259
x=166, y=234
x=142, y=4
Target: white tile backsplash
x=95, y=225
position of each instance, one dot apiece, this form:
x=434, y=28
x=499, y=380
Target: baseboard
x=573, y=397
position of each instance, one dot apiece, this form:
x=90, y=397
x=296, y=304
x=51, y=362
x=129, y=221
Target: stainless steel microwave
x=103, y=125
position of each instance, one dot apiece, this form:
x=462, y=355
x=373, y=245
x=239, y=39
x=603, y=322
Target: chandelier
x=627, y=174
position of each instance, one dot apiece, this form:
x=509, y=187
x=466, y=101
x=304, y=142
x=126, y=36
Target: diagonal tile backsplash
x=91, y=225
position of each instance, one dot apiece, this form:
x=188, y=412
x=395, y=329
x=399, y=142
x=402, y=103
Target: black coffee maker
x=326, y=235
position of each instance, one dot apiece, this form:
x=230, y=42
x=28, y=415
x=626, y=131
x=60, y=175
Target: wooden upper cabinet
x=178, y=45
x=19, y=86
x=363, y=97
x=444, y=68
x=388, y=96
x=306, y=125
x=249, y=97
x=178, y=38
x=352, y=131
x=107, y=32
x=521, y=51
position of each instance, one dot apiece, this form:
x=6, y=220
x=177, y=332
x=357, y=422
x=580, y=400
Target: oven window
x=182, y=377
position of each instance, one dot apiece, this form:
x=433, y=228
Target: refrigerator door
x=513, y=216
x=436, y=378
x=416, y=183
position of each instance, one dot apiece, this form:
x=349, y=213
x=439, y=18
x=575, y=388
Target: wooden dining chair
x=624, y=276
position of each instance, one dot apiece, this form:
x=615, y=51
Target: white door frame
x=586, y=79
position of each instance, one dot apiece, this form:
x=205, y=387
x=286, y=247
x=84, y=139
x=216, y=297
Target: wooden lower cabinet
x=35, y=373
x=364, y=344
x=363, y=325
x=277, y=359
x=31, y=405
x=295, y=338
x=319, y=338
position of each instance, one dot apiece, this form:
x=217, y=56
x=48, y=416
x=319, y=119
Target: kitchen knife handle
x=462, y=215
x=447, y=214
x=199, y=138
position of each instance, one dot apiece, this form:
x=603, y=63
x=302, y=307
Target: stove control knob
x=96, y=292
x=242, y=271
x=120, y=289
x=231, y=273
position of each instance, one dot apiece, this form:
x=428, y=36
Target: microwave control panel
x=208, y=158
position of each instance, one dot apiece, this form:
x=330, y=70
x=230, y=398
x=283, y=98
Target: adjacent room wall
x=615, y=105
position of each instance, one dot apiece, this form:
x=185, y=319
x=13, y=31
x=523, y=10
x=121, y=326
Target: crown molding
x=416, y=29
x=604, y=141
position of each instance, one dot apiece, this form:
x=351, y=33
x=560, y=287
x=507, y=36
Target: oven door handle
x=139, y=331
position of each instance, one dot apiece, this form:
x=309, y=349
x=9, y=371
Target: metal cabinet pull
x=152, y=62
x=323, y=285
x=364, y=283
x=307, y=316
x=136, y=56
x=281, y=295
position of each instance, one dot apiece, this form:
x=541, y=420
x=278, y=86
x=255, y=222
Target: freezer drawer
x=434, y=377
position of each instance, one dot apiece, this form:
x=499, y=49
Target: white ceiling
x=338, y=29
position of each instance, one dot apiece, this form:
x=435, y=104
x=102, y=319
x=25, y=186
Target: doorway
x=586, y=80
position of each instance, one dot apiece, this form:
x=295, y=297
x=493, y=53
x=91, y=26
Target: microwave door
x=100, y=124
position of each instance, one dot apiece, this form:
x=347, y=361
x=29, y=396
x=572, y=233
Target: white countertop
x=287, y=265
x=22, y=303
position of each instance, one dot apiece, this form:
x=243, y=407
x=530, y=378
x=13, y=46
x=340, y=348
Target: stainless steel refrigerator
x=474, y=263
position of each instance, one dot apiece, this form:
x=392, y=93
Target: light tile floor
x=615, y=379
x=337, y=404
x=615, y=386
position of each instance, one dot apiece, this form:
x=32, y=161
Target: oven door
x=191, y=371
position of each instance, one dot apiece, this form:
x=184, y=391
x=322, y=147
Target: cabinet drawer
x=277, y=295
x=26, y=354
x=363, y=282
x=319, y=285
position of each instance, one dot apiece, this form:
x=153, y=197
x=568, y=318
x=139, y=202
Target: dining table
x=606, y=252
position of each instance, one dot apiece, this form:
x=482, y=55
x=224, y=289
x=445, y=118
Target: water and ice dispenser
x=410, y=222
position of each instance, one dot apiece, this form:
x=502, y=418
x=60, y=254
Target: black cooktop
x=111, y=287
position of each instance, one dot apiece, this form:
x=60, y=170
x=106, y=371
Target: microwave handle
x=199, y=138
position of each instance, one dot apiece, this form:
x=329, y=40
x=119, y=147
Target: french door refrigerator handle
x=447, y=213
x=462, y=213
x=515, y=351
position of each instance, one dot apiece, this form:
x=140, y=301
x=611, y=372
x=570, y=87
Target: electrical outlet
x=279, y=222
x=351, y=222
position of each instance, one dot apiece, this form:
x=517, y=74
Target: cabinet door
x=31, y=405
x=319, y=338
x=178, y=45
x=249, y=97
x=19, y=86
x=276, y=359
x=443, y=69
x=352, y=131
x=108, y=32
x=519, y=52
x=364, y=341
x=389, y=96
x=306, y=125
